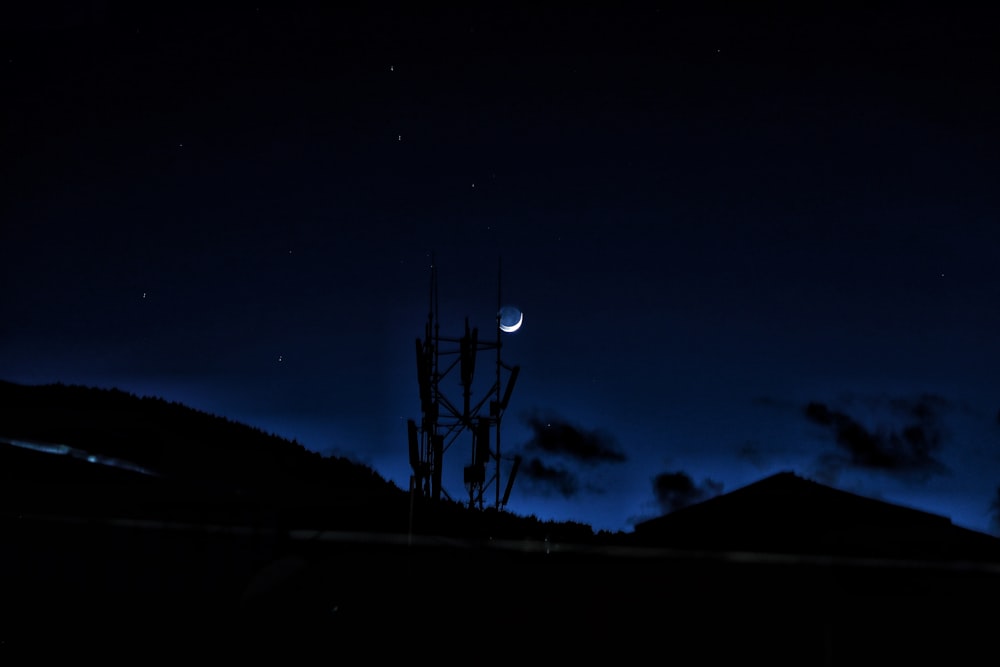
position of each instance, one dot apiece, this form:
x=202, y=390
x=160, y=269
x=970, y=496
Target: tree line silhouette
x=209, y=467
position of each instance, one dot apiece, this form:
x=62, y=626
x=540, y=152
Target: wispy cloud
x=674, y=490
x=554, y=435
x=547, y=480
x=906, y=445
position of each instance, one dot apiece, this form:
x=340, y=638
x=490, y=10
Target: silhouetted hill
x=130, y=524
x=185, y=456
x=789, y=514
x=87, y=450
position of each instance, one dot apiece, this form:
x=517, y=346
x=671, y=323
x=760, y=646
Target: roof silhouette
x=789, y=514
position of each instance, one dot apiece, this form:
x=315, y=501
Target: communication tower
x=444, y=422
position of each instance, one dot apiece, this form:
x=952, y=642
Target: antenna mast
x=443, y=421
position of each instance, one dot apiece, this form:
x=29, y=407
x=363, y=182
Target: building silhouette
x=792, y=515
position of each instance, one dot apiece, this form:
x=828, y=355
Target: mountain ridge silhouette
x=116, y=548
x=197, y=461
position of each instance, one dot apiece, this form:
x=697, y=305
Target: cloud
x=751, y=452
x=923, y=407
x=553, y=435
x=674, y=490
x=547, y=480
x=903, y=448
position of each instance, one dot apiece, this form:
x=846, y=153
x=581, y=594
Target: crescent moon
x=510, y=328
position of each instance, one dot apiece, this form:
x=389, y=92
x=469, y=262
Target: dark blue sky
x=744, y=241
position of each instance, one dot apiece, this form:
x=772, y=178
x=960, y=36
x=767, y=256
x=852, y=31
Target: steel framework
x=444, y=421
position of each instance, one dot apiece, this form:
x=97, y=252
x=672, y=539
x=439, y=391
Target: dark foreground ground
x=145, y=588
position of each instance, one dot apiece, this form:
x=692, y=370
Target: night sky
x=743, y=241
